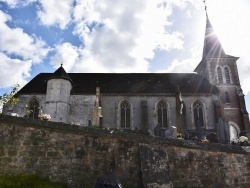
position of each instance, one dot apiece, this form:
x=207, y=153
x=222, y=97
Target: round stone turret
x=59, y=86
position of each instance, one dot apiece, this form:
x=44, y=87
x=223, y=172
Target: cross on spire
x=204, y=1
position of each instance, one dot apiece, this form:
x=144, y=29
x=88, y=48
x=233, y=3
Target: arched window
x=125, y=114
x=219, y=75
x=227, y=75
x=198, y=114
x=162, y=116
x=227, y=97
x=33, y=108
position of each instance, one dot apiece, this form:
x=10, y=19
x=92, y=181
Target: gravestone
x=171, y=132
x=223, y=131
x=157, y=130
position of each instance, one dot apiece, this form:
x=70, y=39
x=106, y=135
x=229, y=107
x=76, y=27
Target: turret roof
x=60, y=73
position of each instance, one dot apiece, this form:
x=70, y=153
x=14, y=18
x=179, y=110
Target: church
x=208, y=101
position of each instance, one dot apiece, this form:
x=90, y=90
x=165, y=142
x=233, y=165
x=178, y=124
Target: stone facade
x=79, y=110
x=78, y=156
x=194, y=103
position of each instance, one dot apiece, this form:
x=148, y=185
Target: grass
x=27, y=181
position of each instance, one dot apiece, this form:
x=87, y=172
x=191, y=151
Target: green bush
x=27, y=181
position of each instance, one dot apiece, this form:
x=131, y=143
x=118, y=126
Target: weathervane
x=204, y=1
x=61, y=64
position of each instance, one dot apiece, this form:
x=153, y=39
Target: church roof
x=127, y=83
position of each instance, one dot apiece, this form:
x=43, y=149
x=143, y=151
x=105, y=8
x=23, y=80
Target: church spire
x=212, y=47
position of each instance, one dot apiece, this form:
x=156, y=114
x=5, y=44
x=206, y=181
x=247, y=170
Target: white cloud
x=17, y=3
x=232, y=25
x=119, y=37
x=183, y=66
x=66, y=54
x=18, y=51
x=14, y=41
x=10, y=76
x=55, y=12
x=244, y=69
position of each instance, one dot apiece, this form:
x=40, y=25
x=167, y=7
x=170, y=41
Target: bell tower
x=221, y=70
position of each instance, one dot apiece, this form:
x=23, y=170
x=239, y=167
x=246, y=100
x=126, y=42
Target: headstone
x=157, y=130
x=150, y=131
x=223, y=131
x=171, y=132
x=186, y=135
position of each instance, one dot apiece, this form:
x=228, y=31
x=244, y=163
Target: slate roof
x=212, y=47
x=113, y=83
x=60, y=73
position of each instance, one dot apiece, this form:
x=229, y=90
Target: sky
x=113, y=36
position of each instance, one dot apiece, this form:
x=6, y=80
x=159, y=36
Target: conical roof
x=212, y=46
x=60, y=73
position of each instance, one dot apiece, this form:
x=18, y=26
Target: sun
x=230, y=21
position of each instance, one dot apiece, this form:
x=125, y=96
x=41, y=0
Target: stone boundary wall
x=79, y=156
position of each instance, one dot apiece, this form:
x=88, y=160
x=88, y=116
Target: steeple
x=212, y=47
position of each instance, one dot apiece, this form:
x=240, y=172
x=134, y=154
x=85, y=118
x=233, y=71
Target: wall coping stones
x=130, y=136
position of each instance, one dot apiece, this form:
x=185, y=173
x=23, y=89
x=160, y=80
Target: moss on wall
x=78, y=156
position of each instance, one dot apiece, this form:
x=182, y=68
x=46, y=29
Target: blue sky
x=117, y=36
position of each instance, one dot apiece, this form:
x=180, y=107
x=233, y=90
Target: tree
x=10, y=97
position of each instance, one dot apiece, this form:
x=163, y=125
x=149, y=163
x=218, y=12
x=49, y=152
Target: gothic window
x=227, y=75
x=162, y=117
x=33, y=108
x=125, y=114
x=227, y=97
x=219, y=75
x=198, y=114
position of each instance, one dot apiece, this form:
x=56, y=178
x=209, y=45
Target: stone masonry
x=78, y=155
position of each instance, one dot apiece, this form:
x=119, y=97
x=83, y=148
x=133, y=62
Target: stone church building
x=208, y=101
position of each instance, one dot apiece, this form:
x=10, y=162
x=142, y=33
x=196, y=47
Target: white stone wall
x=81, y=109
x=21, y=107
x=111, y=117
x=57, y=100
